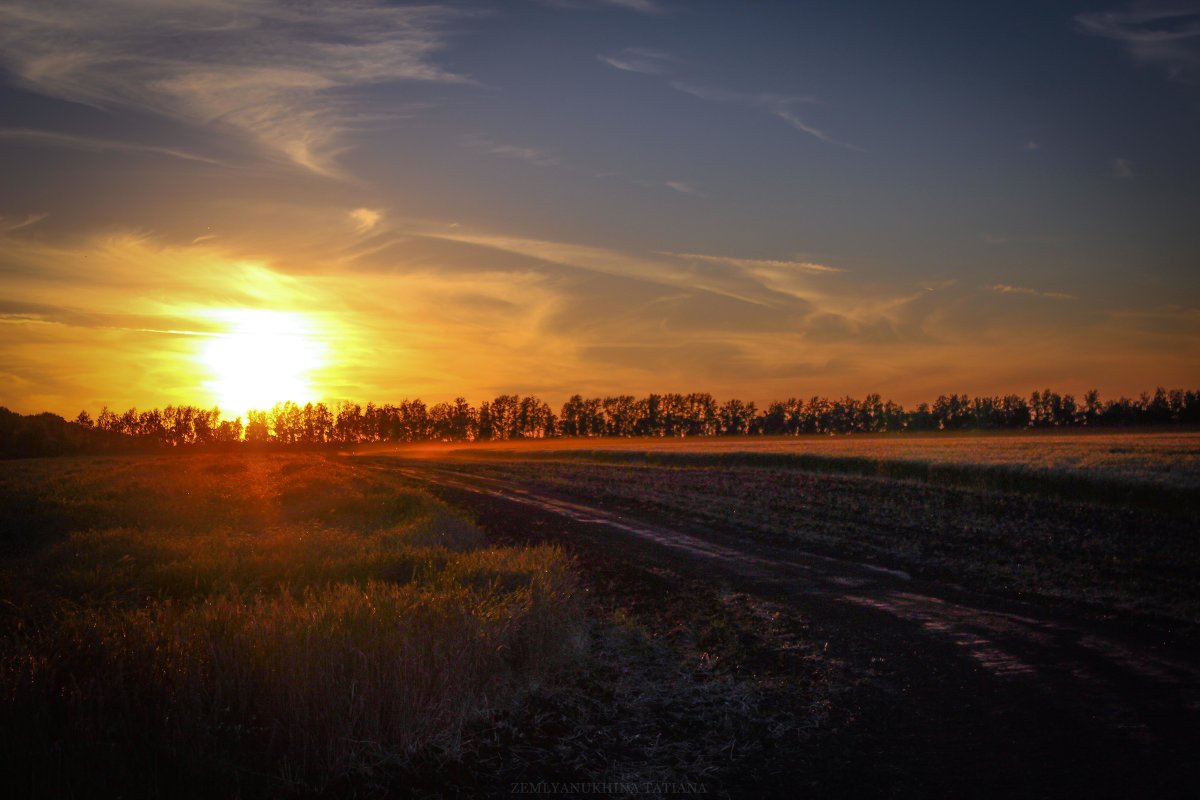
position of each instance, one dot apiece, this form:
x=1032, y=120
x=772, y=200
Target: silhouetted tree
x=620, y=415
x=258, y=429
x=736, y=417
x=656, y=415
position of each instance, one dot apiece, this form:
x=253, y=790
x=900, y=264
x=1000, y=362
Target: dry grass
x=203, y=626
x=1155, y=471
x=1170, y=460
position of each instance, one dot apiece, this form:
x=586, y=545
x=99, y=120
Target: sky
x=239, y=202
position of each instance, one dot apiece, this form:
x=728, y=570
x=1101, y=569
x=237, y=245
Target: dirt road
x=946, y=692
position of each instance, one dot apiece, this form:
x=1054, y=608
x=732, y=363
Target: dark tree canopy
x=509, y=417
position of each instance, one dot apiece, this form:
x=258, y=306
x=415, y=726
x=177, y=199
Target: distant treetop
x=509, y=417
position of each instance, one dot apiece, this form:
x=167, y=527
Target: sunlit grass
x=1166, y=460
x=266, y=622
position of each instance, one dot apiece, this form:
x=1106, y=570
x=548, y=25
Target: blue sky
x=603, y=196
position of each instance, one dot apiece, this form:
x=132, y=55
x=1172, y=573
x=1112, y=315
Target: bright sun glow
x=264, y=358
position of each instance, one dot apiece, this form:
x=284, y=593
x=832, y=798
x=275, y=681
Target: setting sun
x=264, y=358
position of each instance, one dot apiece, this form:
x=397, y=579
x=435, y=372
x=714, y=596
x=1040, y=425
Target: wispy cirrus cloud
x=275, y=72
x=8, y=224
x=365, y=219
x=1004, y=288
x=756, y=263
x=1122, y=168
x=684, y=188
x=640, y=59
x=99, y=145
x=657, y=63
x=766, y=100
x=783, y=107
x=542, y=157
x=533, y=155
x=1167, y=34
x=640, y=6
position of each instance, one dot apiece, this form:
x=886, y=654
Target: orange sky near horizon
x=242, y=333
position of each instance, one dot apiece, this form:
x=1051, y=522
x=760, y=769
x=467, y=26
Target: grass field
x=292, y=623
x=205, y=626
x=295, y=625
x=1167, y=458
x=1105, y=519
x=1152, y=469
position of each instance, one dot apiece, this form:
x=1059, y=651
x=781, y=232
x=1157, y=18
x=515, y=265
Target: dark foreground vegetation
x=280, y=623
x=509, y=417
x=208, y=627
x=1040, y=647
x=294, y=624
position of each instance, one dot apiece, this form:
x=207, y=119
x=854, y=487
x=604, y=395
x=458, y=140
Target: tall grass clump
x=360, y=625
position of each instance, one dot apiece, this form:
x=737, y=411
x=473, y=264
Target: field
x=219, y=623
x=1105, y=519
x=1158, y=457
x=201, y=625
x=815, y=617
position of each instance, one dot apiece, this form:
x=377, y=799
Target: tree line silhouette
x=508, y=417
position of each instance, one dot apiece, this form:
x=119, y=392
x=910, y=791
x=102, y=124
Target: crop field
x=837, y=616
x=210, y=625
x=1169, y=460
x=1113, y=557
x=204, y=625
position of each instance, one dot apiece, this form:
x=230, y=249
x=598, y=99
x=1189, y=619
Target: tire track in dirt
x=960, y=692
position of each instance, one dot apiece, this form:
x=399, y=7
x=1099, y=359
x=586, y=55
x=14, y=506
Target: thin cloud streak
x=641, y=60
x=641, y=6
x=779, y=106
x=1004, y=288
x=777, y=286
x=657, y=63
x=1168, y=35
x=270, y=71
x=684, y=188
x=96, y=145
x=765, y=100
x=7, y=225
x=755, y=263
x=533, y=155
x=790, y=118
